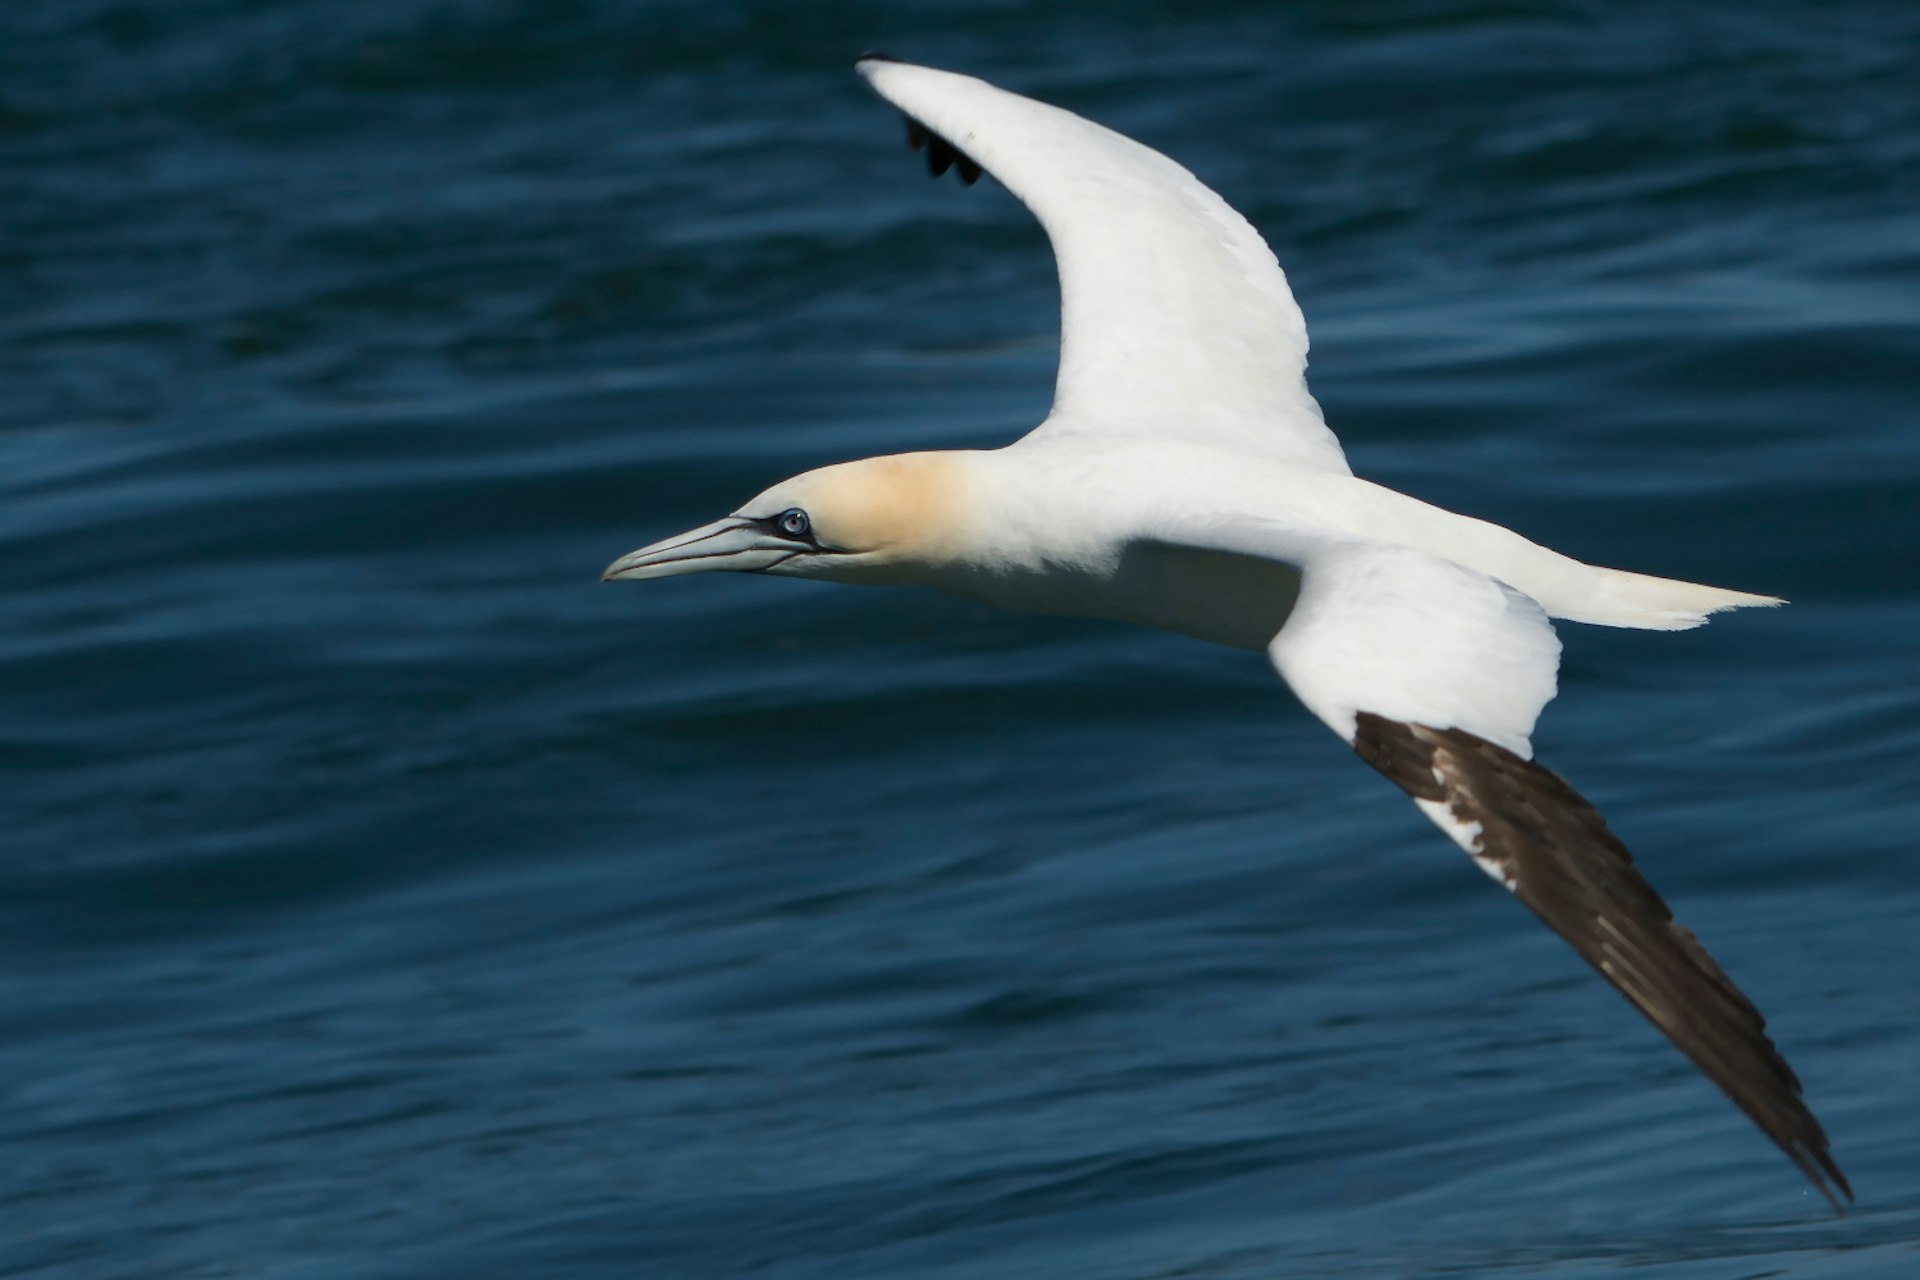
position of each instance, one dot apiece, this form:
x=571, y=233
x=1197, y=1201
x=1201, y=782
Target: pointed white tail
x=1623, y=599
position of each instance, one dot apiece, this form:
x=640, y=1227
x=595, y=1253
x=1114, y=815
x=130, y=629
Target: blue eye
x=793, y=523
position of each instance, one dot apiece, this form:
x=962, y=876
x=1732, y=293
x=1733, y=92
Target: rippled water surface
x=380, y=896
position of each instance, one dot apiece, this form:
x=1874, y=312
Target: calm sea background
x=380, y=896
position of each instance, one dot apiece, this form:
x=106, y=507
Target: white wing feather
x=1383, y=628
x=1175, y=319
x=1408, y=637
x=1417, y=639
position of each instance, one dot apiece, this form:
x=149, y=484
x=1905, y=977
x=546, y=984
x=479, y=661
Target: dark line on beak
x=777, y=563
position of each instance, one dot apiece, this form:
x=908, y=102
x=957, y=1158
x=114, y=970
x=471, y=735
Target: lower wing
x=1435, y=674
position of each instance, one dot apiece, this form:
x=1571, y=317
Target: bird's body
x=1186, y=480
x=1069, y=531
x=1138, y=530
x=1056, y=529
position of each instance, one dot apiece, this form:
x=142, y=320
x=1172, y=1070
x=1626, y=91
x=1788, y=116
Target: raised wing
x=1175, y=320
x=1435, y=674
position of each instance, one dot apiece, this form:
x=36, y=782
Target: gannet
x=1186, y=480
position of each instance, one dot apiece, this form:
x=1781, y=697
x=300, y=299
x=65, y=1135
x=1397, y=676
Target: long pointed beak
x=733, y=543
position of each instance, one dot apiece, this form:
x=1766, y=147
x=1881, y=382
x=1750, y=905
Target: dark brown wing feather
x=1554, y=850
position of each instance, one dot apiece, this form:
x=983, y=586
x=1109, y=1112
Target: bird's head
x=890, y=519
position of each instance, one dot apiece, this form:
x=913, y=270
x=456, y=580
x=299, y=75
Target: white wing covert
x=1417, y=638
x=1175, y=318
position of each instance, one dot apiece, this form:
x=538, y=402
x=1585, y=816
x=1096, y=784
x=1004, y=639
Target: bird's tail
x=1623, y=599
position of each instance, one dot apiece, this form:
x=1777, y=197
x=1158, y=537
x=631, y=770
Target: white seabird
x=1185, y=479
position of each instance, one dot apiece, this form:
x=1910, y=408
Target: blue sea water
x=382, y=897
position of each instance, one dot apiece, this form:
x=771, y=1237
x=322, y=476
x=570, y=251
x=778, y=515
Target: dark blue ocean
x=381, y=896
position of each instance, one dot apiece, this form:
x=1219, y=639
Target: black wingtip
x=874, y=55
x=940, y=155
x=1554, y=851
x=1824, y=1174
x=1823, y=1160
